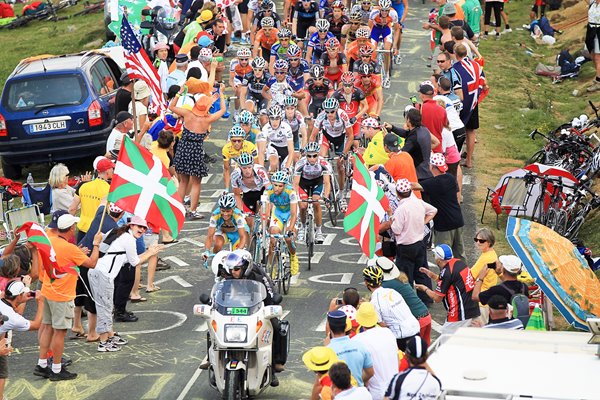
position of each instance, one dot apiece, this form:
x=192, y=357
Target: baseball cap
x=113, y=208
x=55, y=216
x=104, y=165
x=426, y=87
x=15, y=288
x=449, y=9
x=443, y=252
x=403, y=185
x=391, y=141
x=181, y=58
x=139, y=221
x=498, y=302
x=161, y=46
x=66, y=221
x=438, y=160
x=125, y=79
x=205, y=16
x=366, y=315
x=416, y=346
x=337, y=318
x=122, y=116
x=511, y=263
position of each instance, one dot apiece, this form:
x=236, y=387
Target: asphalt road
x=168, y=342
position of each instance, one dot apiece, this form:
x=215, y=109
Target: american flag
x=139, y=65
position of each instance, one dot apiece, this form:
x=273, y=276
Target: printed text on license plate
x=49, y=126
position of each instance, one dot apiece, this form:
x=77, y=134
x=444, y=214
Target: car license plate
x=48, y=126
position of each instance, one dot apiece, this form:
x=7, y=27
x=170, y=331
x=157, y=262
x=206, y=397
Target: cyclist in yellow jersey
x=236, y=145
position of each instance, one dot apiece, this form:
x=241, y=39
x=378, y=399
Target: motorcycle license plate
x=48, y=126
x=238, y=311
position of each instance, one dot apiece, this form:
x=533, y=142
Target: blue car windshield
x=45, y=91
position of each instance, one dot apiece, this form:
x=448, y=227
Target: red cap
x=104, y=165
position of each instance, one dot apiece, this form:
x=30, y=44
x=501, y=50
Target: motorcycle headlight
x=236, y=333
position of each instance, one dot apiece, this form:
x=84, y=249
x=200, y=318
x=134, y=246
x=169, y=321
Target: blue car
x=56, y=108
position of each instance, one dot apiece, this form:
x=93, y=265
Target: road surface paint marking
x=317, y=255
x=177, y=261
x=285, y=314
x=435, y=326
x=363, y=259
x=340, y=258
x=203, y=327
x=466, y=179
x=294, y=279
x=180, y=317
x=349, y=241
x=206, y=178
x=327, y=224
x=205, y=207
x=217, y=194
x=192, y=241
x=321, y=326
x=346, y=278
x=329, y=237
x=177, y=279
x=191, y=382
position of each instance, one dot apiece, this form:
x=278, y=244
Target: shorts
x=243, y=7
x=378, y=32
x=473, y=122
x=84, y=296
x=337, y=142
x=259, y=102
x=249, y=200
x=315, y=106
x=335, y=77
x=103, y=289
x=313, y=187
x=296, y=136
x=279, y=218
x=59, y=314
x=281, y=152
x=3, y=367
x=399, y=7
x=232, y=237
x=302, y=28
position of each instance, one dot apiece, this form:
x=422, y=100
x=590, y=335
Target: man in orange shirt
x=400, y=165
x=59, y=294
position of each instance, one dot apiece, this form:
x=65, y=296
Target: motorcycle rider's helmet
x=236, y=260
x=218, y=261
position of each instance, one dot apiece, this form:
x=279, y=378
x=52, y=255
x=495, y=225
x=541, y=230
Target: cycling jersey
x=254, y=131
x=308, y=171
x=227, y=226
x=365, y=15
x=276, y=137
x=266, y=41
x=229, y=152
x=326, y=61
x=349, y=107
x=257, y=21
x=279, y=51
x=335, y=129
x=352, y=51
x=358, y=63
x=318, y=92
x=255, y=84
x=295, y=123
x=279, y=90
x=239, y=71
x=260, y=179
x=350, y=35
x=304, y=15
x=318, y=45
x=335, y=27
x=381, y=22
x=372, y=88
x=282, y=202
x=297, y=74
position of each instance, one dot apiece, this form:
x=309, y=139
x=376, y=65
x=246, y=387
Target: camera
x=492, y=265
x=339, y=301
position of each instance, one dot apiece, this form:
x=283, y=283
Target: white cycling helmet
x=244, y=52
x=322, y=25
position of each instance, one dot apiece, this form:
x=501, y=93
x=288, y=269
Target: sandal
x=171, y=242
x=153, y=288
x=138, y=299
x=78, y=335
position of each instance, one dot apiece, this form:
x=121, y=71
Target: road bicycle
x=259, y=245
x=278, y=267
x=309, y=235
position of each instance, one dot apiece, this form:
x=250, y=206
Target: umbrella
x=558, y=268
x=551, y=171
x=536, y=320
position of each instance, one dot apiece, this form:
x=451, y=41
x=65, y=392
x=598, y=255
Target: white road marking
x=177, y=261
x=340, y=258
x=205, y=207
x=363, y=259
x=176, y=279
x=467, y=179
x=203, y=327
x=206, y=178
x=349, y=241
x=345, y=278
x=329, y=237
x=192, y=241
x=321, y=326
x=435, y=326
x=285, y=313
x=191, y=382
x=217, y=194
x=327, y=224
x=294, y=279
x=316, y=258
x=181, y=318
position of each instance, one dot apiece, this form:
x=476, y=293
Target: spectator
x=455, y=21
x=220, y=37
x=400, y=164
x=161, y=52
x=441, y=191
x=500, y=317
x=458, y=36
x=496, y=7
x=485, y=264
x=453, y=104
x=319, y=359
x=123, y=96
x=341, y=386
x=419, y=380
x=123, y=125
x=454, y=287
x=433, y=116
x=508, y=267
x=142, y=94
x=408, y=222
x=444, y=62
x=349, y=304
x=59, y=295
x=62, y=193
x=380, y=342
x=196, y=63
x=10, y=268
x=444, y=24
x=473, y=12
x=178, y=76
x=351, y=352
x=375, y=152
x=592, y=40
x=15, y=297
x=449, y=148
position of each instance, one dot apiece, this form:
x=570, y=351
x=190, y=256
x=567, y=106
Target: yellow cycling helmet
x=373, y=275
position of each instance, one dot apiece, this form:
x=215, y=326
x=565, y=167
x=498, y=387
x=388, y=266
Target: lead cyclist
x=385, y=27
x=401, y=7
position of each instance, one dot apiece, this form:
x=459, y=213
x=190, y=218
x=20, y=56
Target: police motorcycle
x=241, y=332
x=163, y=27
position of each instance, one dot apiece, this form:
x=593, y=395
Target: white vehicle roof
x=514, y=364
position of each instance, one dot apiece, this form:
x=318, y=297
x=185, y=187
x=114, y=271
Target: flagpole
x=135, y=121
x=102, y=219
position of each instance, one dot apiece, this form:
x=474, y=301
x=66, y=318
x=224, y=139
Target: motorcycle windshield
x=167, y=18
x=239, y=293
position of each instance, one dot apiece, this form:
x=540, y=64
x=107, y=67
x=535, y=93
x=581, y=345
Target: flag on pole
x=37, y=237
x=139, y=65
x=366, y=208
x=142, y=185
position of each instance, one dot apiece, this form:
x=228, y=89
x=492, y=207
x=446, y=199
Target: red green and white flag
x=366, y=209
x=142, y=185
x=36, y=236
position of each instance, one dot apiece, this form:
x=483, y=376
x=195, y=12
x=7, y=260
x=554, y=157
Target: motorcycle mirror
x=205, y=299
x=146, y=25
x=146, y=12
x=277, y=298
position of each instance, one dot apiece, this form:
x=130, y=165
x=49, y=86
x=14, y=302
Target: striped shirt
x=392, y=309
x=505, y=323
x=414, y=383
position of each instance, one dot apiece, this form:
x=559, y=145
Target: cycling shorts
x=279, y=218
x=399, y=7
x=249, y=200
x=314, y=187
x=314, y=107
x=259, y=101
x=232, y=237
x=281, y=152
x=337, y=142
x=385, y=33
x=335, y=77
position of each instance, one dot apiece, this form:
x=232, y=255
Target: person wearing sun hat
x=141, y=95
x=319, y=359
x=381, y=344
x=442, y=192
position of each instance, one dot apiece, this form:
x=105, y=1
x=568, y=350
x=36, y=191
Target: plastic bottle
x=30, y=180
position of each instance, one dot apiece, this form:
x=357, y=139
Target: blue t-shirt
x=107, y=225
x=353, y=354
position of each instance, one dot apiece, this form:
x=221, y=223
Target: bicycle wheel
x=539, y=157
x=561, y=222
x=331, y=208
x=277, y=270
x=551, y=218
x=253, y=247
x=310, y=238
x=573, y=229
x=286, y=275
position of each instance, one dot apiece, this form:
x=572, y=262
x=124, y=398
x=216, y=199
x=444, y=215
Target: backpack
x=520, y=304
x=566, y=62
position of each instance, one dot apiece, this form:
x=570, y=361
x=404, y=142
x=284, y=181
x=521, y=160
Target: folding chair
x=39, y=194
x=511, y=198
x=19, y=216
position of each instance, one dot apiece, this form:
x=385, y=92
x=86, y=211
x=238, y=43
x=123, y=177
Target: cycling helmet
x=245, y=159
x=266, y=5
x=294, y=51
x=284, y=33
x=347, y=78
x=275, y=112
x=322, y=25
x=363, y=32
x=370, y=123
x=330, y=104
x=338, y=4
x=317, y=71
x=244, y=52
x=280, y=65
x=332, y=44
x=227, y=201
x=245, y=117
x=237, y=259
x=267, y=22
x=366, y=69
x=355, y=15
x=366, y=51
x=385, y=4
x=373, y=275
x=280, y=177
x=290, y=101
x=258, y=63
x=312, y=147
x=236, y=131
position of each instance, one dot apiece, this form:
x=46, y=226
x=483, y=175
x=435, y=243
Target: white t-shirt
x=111, y=264
x=392, y=309
x=15, y=320
x=381, y=343
x=114, y=140
x=355, y=393
x=203, y=71
x=140, y=110
x=451, y=112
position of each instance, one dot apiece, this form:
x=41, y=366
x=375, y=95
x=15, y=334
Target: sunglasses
x=277, y=185
x=348, y=84
x=355, y=23
x=476, y=240
x=293, y=59
x=280, y=72
x=331, y=112
x=323, y=31
x=440, y=61
x=290, y=107
x=312, y=155
x=274, y=118
x=236, y=140
x=242, y=59
x=365, y=76
x=365, y=56
x=236, y=268
x=282, y=39
x=258, y=69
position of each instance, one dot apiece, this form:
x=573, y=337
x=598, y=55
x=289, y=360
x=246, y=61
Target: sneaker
x=343, y=204
x=274, y=381
x=279, y=368
x=319, y=238
x=63, y=375
x=397, y=59
x=386, y=83
x=204, y=365
x=161, y=265
x=508, y=30
x=294, y=265
x=594, y=88
x=195, y=215
x=301, y=233
x=125, y=317
x=43, y=372
x=118, y=340
x=186, y=200
x=65, y=362
x=108, y=346
x=526, y=27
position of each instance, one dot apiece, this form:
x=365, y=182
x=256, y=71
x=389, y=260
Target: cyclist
x=247, y=123
x=275, y=141
x=248, y=181
x=316, y=43
x=282, y=208
x=238, y=68
x=305, y=17
x=366, y=57
x=265, y=38
x=370, y=84
x=298, y=71
x=337, y=19
x=280, y=48
x=236, y=145
x=337, y=132
x=334, y=61
x=267, y=9
x=252, y=86
x=365, y=11
x=295, y=120
x=401, y=7
x=352, y=100
x=381, y=22
x=348, y=33
x=226, y=225
x=362, y=40
x=318, y=88
x=312, y=178
x=279, y=86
